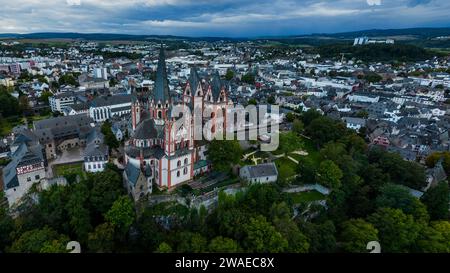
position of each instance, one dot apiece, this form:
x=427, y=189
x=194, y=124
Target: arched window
x=178, y=174
x=185, y=161
x=179, y=163
x=185, y=171
x=159, y=114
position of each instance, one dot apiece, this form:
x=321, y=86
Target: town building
x=262, y=173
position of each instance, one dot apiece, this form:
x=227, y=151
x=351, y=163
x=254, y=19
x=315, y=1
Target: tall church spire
x=161, y=88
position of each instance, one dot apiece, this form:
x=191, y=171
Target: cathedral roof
x=146, y=130
x=216, y=86
x=161, y=88
x=194, y=79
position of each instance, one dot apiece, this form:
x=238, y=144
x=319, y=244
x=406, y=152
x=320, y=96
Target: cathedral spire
x=161, y=88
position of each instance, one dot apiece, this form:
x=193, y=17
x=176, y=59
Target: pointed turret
x=216, y=86
x=161, y=88
x=194, y=80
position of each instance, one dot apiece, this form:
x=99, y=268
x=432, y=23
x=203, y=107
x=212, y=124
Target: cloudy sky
x=233, y=18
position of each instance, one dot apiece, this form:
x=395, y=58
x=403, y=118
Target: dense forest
x=370, y=200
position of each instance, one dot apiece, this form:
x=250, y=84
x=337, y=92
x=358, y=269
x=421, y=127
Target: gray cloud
x=219, y=17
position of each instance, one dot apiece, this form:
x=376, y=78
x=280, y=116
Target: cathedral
x=158, y=152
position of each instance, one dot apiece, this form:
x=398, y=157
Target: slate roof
x=216, y=86
x=93, y=149
x=194, y=79
x=132, y=173
x=110, y=100
x=262, y=170
x=148, y=152
x=161, y=88
x=78, y=120
x=24, y=155
x=146, y=130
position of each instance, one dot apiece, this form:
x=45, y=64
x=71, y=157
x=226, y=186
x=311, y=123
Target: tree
x=297, y=126
x=44, y=97
x=310, y=115
x=6, y=226
x=434, y=238
x=397, y=231
x=398, y=197
x=329, y=174
x=121, y=214
x=189, y=242
x=271, y=100
x=10, y=105
x=223, y=245
x=321, y=236
x=248, y=78
x=78, y=211
x=68, y=79
x=373, y=78
x=229, y=75
x=39, y=241
x=290, y=117
x=282, y=221
x=432, y=159
x=102, y=239
x=224, y=153
x=323, y=130
x=400, y=171
x=355, y=235
x=262, y=237
x=252, y=101
x=164, y=248
x=110, y=138
x=437, y=201
x=106, y=188
x=24, y=104
x=306, y=171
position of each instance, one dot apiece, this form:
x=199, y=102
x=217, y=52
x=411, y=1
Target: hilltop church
x=158, y=153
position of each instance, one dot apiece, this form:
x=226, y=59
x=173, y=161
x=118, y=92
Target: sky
x=224, y=18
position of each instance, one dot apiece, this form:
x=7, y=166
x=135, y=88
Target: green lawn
x=69, y=169
x=306, y=197
x=286, y=168
x=6, y=125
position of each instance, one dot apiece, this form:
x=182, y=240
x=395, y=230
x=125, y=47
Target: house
x=363, y=97
x=105, y=107
x=354, y=123
x=58, y=103
x=76, y=109
x=137, y=183
x=262, y=173
x=27, y=167
x=61, y=133
x=96, y=154
x=436, y=174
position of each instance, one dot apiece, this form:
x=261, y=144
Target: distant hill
x=424, y=37
x=105, y=36
x=421, y=33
